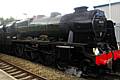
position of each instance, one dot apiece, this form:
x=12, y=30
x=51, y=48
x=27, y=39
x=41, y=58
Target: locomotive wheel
x=49, y=59
x=61, y=66
x=39, y=58
x=86, y=67
x=116, y=66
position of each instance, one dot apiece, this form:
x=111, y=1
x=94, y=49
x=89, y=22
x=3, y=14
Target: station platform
x=5, y=76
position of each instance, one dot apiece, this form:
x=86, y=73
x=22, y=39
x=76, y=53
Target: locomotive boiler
x=81, y=39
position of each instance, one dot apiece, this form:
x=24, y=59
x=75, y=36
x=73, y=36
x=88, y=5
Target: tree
x=1, y=20
x=6, y=21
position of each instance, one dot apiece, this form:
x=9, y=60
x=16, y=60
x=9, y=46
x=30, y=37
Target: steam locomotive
x=83, y=39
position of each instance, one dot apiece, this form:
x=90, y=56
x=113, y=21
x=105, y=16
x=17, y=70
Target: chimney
x=80, y=9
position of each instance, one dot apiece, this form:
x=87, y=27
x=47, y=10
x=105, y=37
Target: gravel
x=38, y=69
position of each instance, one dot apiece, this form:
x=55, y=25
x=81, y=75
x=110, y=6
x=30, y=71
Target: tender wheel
x=21, y=51
x=16, y=51
x=30, y=55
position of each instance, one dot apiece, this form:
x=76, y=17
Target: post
x=110, y=9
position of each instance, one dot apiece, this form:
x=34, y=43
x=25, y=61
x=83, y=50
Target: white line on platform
x=8, y=75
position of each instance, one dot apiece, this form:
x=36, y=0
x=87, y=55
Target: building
x=112, y=12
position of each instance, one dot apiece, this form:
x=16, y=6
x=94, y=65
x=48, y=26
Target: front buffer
x=108, y=60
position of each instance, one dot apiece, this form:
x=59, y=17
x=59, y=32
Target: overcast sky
x=16, y=8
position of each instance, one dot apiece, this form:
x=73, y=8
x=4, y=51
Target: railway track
x=112, y=76
x=18, y=72
x=18, y=68
x=105, y=76
x=34, y=68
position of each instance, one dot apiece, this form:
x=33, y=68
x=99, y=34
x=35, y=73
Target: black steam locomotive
x=81, y=39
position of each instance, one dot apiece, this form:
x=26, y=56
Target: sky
x=18, y=8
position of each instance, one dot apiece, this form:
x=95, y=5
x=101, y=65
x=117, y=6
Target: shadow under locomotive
x=83, y=39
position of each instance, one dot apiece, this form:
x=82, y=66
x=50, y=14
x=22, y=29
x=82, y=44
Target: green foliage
x=6, y=21
x=1, y=20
